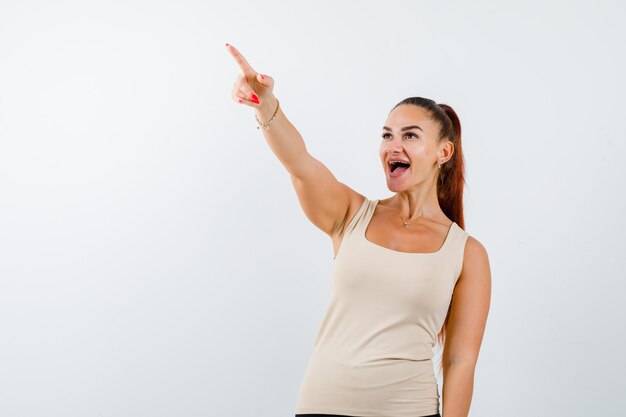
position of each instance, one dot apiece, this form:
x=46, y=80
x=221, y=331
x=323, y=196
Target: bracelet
x=266, y=125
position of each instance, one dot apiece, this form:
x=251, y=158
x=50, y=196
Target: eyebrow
x=405, y=128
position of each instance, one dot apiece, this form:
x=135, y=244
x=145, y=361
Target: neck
x=414, y=206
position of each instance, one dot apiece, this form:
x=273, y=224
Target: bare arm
x=465, y=329
x=458, y=388
x=323, y=198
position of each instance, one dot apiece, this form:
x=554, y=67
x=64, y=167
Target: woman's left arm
x=465, y=328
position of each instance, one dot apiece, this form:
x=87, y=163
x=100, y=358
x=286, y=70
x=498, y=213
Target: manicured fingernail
x=262, y=76
x=240, y=100
x=254, y=98
x=226, y=44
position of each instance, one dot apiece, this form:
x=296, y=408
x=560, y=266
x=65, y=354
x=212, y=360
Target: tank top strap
x=456, y=249
x=360, y=218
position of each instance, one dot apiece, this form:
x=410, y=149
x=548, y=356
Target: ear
x=446, y=150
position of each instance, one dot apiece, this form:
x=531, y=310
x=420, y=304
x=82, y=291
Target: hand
x=250, y=85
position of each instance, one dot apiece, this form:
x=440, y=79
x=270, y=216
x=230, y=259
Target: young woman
x=406, y=274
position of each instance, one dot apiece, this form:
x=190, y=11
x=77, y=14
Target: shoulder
x=475, y=260
x=474, y=248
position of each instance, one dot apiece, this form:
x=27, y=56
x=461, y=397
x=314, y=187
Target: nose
x=394, y=146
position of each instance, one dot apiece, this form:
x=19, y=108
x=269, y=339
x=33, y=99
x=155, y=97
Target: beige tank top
x=373, y=354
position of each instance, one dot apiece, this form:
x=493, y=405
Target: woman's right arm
x=324, y=199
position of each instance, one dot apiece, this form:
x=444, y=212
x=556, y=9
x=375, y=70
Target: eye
x=384, y=135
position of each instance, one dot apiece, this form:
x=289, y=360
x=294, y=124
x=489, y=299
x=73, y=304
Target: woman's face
x=417, y=144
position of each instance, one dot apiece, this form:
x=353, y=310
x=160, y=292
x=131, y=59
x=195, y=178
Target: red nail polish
x=240, y=100
x=255, y=98
x=262, y=76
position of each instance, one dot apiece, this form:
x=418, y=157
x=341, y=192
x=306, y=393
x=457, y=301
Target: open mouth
x=397, y=167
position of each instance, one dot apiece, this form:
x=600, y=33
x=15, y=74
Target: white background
x=155, y=261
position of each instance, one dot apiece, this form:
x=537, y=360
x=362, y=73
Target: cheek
x=420, y=152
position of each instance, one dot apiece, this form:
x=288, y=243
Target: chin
x=395, y=187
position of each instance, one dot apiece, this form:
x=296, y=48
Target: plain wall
x=154, y=258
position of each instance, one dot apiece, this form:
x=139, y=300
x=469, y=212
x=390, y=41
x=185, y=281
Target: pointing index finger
x=243, y=64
